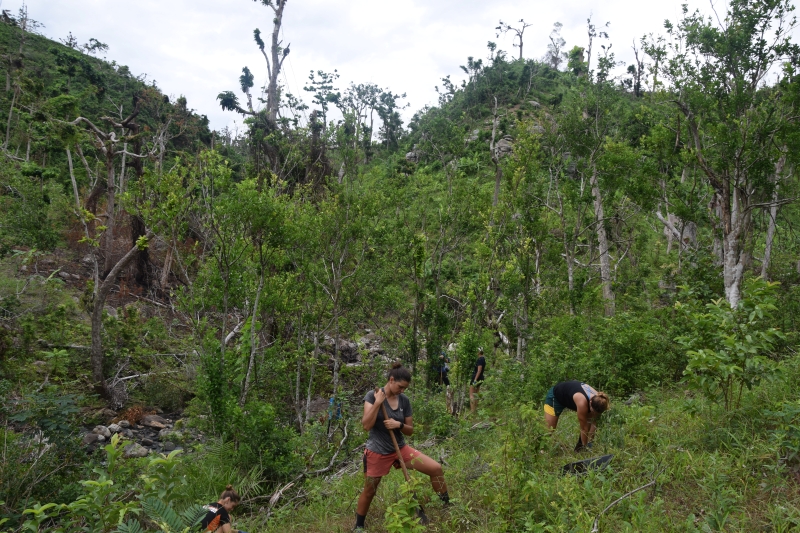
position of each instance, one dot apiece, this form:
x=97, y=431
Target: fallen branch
x=46, y=344
x=275, y=497
x=126, y=378
x=148, y=300
x=596, y=525
x=233, y=333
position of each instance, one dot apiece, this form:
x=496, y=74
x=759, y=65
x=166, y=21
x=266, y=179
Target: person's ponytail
x=399, y=372
x=230, y=493
x=600, y=402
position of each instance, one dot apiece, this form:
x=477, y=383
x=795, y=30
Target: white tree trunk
x=253, y=341
x=773, y=215
x=733, y=252
x=602, y=243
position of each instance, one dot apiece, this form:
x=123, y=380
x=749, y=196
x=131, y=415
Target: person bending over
x=217, y=519
x=578, y=397
x=380, y=455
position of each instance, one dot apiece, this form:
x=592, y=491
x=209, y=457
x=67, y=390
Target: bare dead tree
x=518, y=32
x=278, y=56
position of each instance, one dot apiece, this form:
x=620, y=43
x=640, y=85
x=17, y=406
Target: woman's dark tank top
x=564, y=392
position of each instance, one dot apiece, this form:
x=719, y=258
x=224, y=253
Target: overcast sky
x=197, y=48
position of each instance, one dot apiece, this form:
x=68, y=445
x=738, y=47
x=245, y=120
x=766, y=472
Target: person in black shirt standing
x=217, y=519
x=578, y=397
x=477, y=381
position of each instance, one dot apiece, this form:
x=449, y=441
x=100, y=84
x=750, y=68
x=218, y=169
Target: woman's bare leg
x=473, y=398
x=370, y=488
x=429, y=467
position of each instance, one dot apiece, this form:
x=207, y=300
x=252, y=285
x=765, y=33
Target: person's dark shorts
x=551, y=405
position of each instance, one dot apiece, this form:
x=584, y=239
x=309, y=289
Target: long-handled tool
x=420, y=511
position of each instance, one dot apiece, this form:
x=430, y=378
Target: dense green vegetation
x=633, y=232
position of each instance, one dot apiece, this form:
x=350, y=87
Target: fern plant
x=165, y=518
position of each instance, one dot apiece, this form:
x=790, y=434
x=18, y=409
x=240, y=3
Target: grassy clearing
x=714, y=471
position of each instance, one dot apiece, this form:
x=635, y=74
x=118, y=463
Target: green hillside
x=182, y=309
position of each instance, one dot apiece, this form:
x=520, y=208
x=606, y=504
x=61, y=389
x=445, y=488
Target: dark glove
x=580, y=447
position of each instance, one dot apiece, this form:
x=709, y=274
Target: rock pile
x=153, y=434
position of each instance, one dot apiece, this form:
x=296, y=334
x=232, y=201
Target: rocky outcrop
x=347, y=350
x=371, y=343
x=504, y=146
x=413, y=155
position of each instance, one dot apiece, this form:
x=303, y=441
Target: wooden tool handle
x=396, y=447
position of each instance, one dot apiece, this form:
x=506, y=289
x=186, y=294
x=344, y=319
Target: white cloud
x=198, y=47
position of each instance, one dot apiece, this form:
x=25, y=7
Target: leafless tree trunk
x=602, y=244
x=98, y=304
x=773, y=215
x=253, y=340
x=498, y=172
x=108, y=235
x=10, y=114
x=278, y=55
x=165, y=271
x=311, y=375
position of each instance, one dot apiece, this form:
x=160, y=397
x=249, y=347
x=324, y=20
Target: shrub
x=728, y=348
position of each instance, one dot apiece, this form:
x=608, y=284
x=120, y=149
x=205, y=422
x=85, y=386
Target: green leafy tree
x=730, y=349
x=716, y=70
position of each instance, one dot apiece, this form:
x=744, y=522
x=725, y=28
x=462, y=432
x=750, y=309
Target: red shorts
x=378, y=464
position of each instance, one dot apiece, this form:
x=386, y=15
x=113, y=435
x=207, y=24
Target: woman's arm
x=371, y=410
x=587, y=425
x=408, y=425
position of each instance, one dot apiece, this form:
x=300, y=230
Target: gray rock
x=169, y=446
x=135, y=450
x=90, y=438
x=114, y=428
x=534, y=103
x=111, y=311
x=473, y=136
x=124, y=424
x=412, y=157
x=102, y=430
x=64, y=275
x=154, y=421
x=75, y=276
x=87, y=260
x=106, y=413
x=504, y=146
x=147, y=442
x=101, y=438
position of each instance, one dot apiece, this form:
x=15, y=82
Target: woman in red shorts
x=380, y=456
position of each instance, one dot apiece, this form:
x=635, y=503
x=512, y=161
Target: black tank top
x=564, y=392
